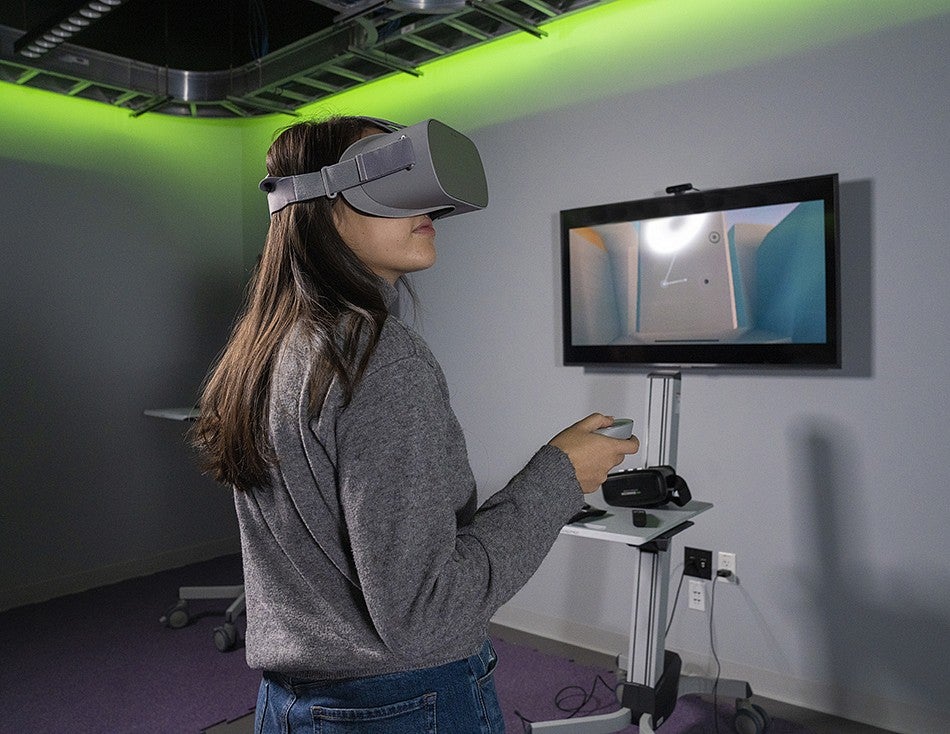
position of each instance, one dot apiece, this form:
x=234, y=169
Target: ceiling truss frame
x=376, y=40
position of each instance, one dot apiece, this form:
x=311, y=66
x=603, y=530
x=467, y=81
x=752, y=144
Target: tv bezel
x=793, y=355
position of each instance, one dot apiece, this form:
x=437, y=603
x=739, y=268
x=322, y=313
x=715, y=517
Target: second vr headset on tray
x=650, y=487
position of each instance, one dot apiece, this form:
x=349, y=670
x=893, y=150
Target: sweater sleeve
x=431, y=571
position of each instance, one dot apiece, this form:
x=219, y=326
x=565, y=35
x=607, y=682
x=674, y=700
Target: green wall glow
x=619, y=48
x=184, y=163
x=612, y=49
x=44, y=127
x=606, y=50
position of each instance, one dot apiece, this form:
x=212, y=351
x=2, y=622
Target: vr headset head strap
x=678, y=489
x=331, y=180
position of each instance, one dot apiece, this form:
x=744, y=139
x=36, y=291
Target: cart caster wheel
x=225, y=637
x=751, y=718
x=177, y=616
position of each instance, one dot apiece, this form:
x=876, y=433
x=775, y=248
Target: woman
x=369, y=571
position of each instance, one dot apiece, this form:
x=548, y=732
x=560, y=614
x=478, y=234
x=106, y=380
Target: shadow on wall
x=899, y=646
x=856, y=266
x=110, y=301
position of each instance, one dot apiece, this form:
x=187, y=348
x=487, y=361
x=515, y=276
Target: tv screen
x=743, y=276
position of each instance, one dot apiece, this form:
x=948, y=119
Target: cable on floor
x=562, y=696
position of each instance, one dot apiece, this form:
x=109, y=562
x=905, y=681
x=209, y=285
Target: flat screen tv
x=744, y=276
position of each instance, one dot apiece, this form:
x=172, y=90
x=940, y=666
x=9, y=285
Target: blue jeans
x=455, y=698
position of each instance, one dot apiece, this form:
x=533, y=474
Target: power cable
x=679, y=586
x=712, y=645
x=562, y=696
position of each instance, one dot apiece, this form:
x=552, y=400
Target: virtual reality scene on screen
x=753, y=275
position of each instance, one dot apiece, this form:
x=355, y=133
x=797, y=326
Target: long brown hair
x=306, y=275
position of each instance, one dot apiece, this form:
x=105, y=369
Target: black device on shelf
x=651, y=487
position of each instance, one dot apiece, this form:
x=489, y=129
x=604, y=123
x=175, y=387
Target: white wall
x=829, y=487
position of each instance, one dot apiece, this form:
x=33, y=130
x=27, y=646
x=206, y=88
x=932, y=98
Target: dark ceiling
x=237, y=58
x=197, y=35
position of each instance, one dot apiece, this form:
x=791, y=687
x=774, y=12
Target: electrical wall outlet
x=727, y=562
x=697, y=595
x=698, y=563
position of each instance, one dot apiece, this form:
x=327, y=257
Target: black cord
x=525, y=721
x=559, y=699
x=258, y=36
x=712, y=645
x=563, y=694
x=675, y=599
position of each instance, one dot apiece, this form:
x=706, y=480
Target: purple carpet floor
x=99, y=662
x=535, y=686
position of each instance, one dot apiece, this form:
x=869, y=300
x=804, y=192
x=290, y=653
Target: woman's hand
x=592, y=454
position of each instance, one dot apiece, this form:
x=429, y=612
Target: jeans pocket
x=415, y=716
x=490, y=663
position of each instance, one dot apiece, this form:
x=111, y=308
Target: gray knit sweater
x=367, y=554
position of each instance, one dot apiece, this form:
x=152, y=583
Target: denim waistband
x=454, y=698
x=481, y=663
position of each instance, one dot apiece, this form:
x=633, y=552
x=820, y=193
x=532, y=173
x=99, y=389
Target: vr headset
x=650, y=487
x=426, y=168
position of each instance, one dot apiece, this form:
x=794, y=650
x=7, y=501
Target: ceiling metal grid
x=367, y=41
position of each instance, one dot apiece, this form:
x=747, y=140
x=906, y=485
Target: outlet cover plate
x=698, y=563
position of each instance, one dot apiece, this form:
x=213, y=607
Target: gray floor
x=817, y=722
